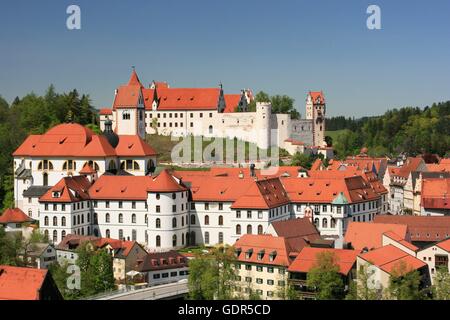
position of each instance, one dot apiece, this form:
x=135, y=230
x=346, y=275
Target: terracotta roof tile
x=370, y=235
x=389, y=259
x=308, y=258
x=21, y=283
x=14, y=216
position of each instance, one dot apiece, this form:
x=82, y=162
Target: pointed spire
x=134, y=79
x=155, y=95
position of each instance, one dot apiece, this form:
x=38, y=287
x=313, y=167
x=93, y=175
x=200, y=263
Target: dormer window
x=237, y=252
x=261, y=255
x=272, y=256
x=248, y=253
x=56, y=194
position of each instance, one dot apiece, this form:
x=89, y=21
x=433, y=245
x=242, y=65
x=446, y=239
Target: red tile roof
x=105, y=112
x=87, y=169
x=263, y=194
x=14, y=216
x=127, y=96
x=133, y=187
x=370, y=235
x=21, y=283
x=400, y=240
x=134, y=80
x=445, y=245
x=308, y=259
x=389, y=259
x=325, y=188
x=294, y=142
x=162, y=260
x=266, y=244
x=231, y=102
x=133, y=146
x=420, y=228
x=436, y=193
x=317, y=95
x=411, y=164
x=69, y=140
x=297, y=232
x=70, y=189
x=183, y=98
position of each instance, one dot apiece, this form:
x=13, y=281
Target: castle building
x=209, y=112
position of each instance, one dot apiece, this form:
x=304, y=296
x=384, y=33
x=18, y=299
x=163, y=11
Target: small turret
x=109, y=134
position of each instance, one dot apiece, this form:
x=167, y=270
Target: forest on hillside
x=34, y=114
x=411, y=130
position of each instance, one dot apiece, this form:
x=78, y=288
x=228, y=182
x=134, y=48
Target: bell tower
x=315, y=111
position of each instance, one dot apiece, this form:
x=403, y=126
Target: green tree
x=405, y=284
x=211, y=275
x=441, y=287
x=9, y=246
x=363, y=288
x=101, y=265
x=324, y=277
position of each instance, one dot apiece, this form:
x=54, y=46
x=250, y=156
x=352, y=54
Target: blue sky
x=281, y=47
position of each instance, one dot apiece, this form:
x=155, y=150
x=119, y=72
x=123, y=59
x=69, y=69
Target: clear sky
x=281, y=47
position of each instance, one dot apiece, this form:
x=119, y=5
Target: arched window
x=120, y=218
x=46, y=233
x=192, y=219
x=182, y=239
x=30, y=213
x=45, y=179
x=133, y=218
x=249, y=229
x=206, y=237
x=46, y=221
x=210, y=129
x=96, y=232
x=69, y=165
x=45, y=165
x=158, y=241
x=187, y=238
x=55, y=221
x=112, y=165
x=108, y=233
x=206, y=220
x=333, y=223
x=82, y=218
x=238, y=229
x=324, y=223
x=182, y=221
x=95, y=218
x=74, y=220
x=220, y=220
x=55, y=236
x=107, y=218
x=63, y=234
x=174, y=222
x=220, y=237
x=260, y=229
x=316, y=222
x=88, y=230
x=129, y=165
x=63, y=221
x=174, y=240
x=158, y=223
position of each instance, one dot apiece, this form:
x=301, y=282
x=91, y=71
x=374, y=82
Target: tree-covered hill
x=410, y=130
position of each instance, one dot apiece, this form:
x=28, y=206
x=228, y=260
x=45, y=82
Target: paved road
x=153, y=293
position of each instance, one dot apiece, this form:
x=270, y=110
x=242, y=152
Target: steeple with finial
x=134, y=79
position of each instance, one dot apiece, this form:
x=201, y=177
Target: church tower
x=128, y=108
x=315, y=111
